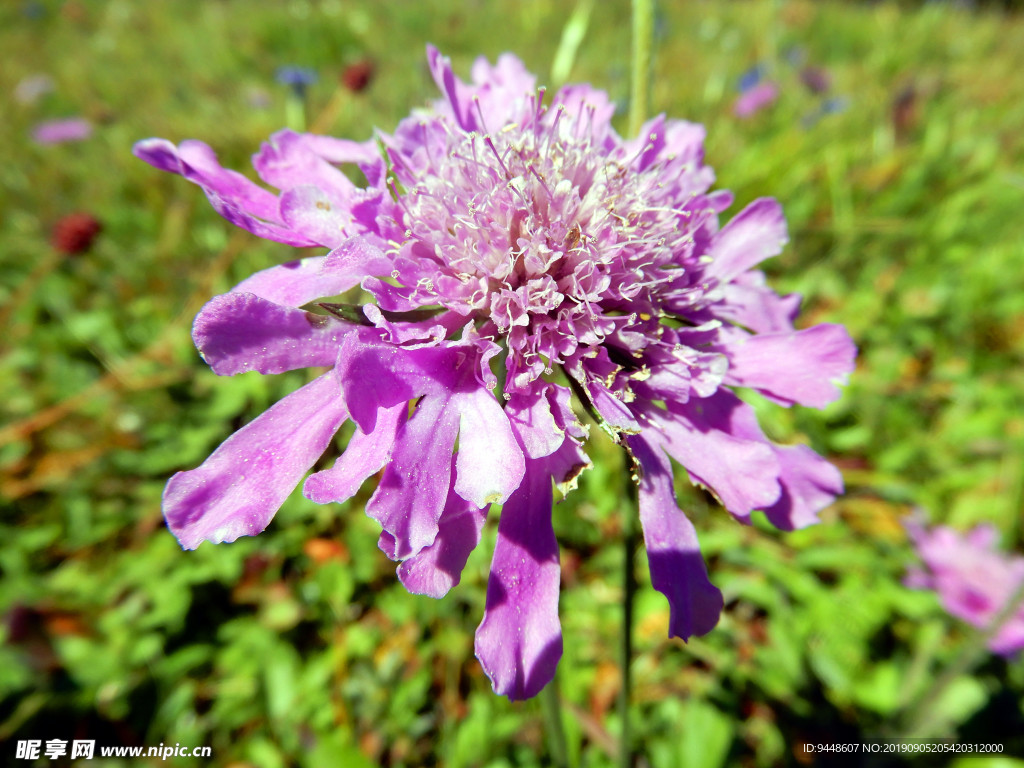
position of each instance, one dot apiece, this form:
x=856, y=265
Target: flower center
x=546, y=239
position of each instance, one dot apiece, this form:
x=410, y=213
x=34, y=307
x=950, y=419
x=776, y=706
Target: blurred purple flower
x=816, y=79
x=757, y=98
x=497, y=230
x=60, y=131
x=973, y=579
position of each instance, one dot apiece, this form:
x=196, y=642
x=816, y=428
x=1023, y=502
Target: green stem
x=639, y=105
x=643, y=41
x=919, y=716
x=551, y=709
x=629, y=545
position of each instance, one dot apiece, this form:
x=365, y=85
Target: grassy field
x=903, y=184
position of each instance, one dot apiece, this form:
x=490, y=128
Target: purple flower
x=60, y=131
x=517, y=254
x=755, y=99
x=817, y=79
x=973, y=579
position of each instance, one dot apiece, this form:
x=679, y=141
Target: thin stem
x=573, y=32
x=643, y=40
x=629, y=544
x=551, y=709
x=640, y=97
x=919, y=716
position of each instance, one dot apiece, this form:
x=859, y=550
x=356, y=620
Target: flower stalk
x=643, y=34
x=554, y=726
x=643, y=41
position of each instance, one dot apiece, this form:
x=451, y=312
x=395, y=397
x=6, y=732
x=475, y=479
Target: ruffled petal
x=673, y=553
x=749, y=302
x=238, y=332
x=414, y=487
x=456, y=92
x=377, y=375
x=227, y=208
x=706, y=436
x=240, y=487
x=310, y=211
x=290, y=159
x=198, y=163
x=490, y=461
x=238, y=199
x=438, y=567
x=335, y=150
x=364, y=456
x=809, y=484
x=799, y=367
x=519, y=641
x=754, y=234
x=531, y=413
x=320, y=277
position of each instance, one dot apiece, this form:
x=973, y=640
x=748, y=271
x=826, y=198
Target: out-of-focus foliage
x=903, y=185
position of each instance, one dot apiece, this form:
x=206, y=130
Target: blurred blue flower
x=835, y=105
x=296, y=78
x=32, y=9
x=831, y=106
x=750, y=78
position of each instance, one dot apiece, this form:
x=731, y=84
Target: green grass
x=299, y=647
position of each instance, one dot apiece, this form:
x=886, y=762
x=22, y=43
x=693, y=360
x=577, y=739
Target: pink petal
x=238, y=332
x=490, y=462
x=798, y=367
x=707, y=436
x=438, y=567
x=364, y=456
x=290, y=159
x=414, y=488
x=240, y=487
x=519, y=641
x=754, y=234
x=673, y=553
x=301, y=282
x=809, y=484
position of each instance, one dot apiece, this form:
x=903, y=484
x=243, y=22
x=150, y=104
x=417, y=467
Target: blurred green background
x=900, y=165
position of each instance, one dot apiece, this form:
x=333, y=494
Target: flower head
x=974, y=580
x=518, y=253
